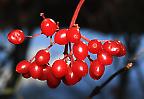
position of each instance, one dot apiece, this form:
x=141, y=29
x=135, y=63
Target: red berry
x=52, y=81
x=42, y=57
x=48, y=27
x=71, y=78
x=80, y=68
x=73, y=35
x=45, y=72
x=80, y=50
x=35, y=70
x=94, y=46
x=59, y=68
x=23, y=67
x=16, y=36
x=96, y=70
x=122, y=49
x=26, y=75
x=111, y=47
x=60, y=37
x=105, y=58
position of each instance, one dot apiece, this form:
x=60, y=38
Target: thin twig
x=128, y=66
x=97, y=89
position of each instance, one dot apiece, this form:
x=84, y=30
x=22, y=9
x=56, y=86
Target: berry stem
x=66, y=50
x=35, y=35
x=32, y=59
x=69, y=46
x=90, y=59
x=88, y=40
x=71, y=56
x=52, y=43
x=76, y=13
x=71, y=24
x=65, y=56
x=85, y=38
x=42, y=15
x=57, y=26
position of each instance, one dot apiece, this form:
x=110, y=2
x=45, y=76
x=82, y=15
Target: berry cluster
x=72, y=68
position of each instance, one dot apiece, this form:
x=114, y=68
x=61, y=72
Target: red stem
x=88, y=40
x=85, y=38
x=69, y=55
x=50, y=46
x=35, y=35
x=76, y=13
x=32, y=59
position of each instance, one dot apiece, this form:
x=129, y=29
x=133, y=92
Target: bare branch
x=128, y=66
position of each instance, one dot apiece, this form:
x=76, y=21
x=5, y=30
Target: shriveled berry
x=26, y=75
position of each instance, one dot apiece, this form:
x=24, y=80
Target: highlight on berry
x=71, y=72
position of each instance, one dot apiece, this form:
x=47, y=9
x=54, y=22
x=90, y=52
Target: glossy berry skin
x=71, y=79
x=16, y=36
x=59, y=68
x=45, y=72
x=96, y=70
x=60, y=37
x=80, y=68
x=48, y=27
x=52, y=81
x=80, y=50
x=111, y=47
x=94, y=46
x=73, y=35
x=122, y=49
x=42, y=57
x=105, y=58
x=35, y=70
x=23, y=67
x=26, y=75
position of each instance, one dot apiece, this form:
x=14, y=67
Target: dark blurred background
x=101, y=19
